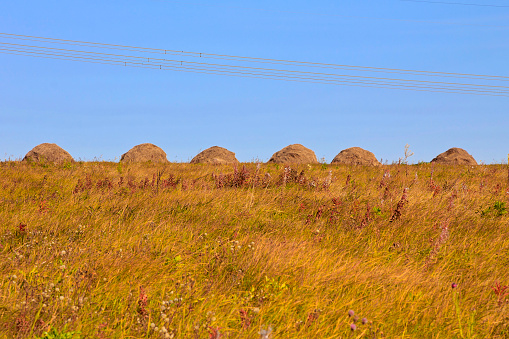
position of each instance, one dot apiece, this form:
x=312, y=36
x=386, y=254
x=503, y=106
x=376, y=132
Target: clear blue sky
x=102, y=111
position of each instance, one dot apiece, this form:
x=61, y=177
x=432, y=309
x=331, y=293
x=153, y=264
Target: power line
x=335, y=15
x=270, y=72
x=251, y=70
x=308, y=78
x=457, y=3
x=250, y=59
x=259, y=69
x=193, y=70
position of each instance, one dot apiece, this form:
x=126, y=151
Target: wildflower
x=353, y=327
x=256, y=310
x=364, y=321
x=351, y=313
x=454, y=285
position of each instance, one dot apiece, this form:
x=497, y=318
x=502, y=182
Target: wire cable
x=255, y=59
x=456, y=3
x=345, y=67
x=332, y=15
x=258, y=69
x=232, y=67
x=259, y=75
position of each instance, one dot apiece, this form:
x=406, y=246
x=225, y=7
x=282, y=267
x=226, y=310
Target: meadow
x=111, y=250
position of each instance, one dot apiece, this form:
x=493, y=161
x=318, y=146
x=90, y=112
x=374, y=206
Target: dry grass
x=105, y=250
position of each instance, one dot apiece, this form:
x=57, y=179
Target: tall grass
x=106, y=250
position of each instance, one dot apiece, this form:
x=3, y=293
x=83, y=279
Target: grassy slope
x=108, y=258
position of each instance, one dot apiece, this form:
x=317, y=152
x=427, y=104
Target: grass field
x=107, y=250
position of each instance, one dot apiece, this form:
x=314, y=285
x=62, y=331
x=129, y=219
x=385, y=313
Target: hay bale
x=455, y=156
x=145, y=153
x=215, y=155
x=294, y=154
x=48, y=152
x=355, y=156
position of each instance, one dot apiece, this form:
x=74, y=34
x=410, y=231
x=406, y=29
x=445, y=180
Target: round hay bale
x=145, y=153
x=294, y=154
x=48, y=152
x=356, y=156
x=215, y=155
x=455, y=156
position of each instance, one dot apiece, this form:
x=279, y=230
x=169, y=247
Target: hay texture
x=455, y=156
x=356, y=156
x=48, y=153
x=294, y=154
x=215, y=155
x=145, y=153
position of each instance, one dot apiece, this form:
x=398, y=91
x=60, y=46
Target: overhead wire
x=186, y=69
x=457, y=3
x=266, y=70
x=253, y=59
x=251, y=74
x=246, y=71
x=268, y=61
x=332, y=14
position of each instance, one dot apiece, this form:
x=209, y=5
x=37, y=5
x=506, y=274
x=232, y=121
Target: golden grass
x=213, y=252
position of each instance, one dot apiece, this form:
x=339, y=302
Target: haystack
x=356, y=156
x=48, y=152
x=455, y=156
x=144, y=153
x=215, y=155
x=294, y=154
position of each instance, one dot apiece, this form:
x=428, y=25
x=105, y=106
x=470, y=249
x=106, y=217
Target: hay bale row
x=293, y=154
